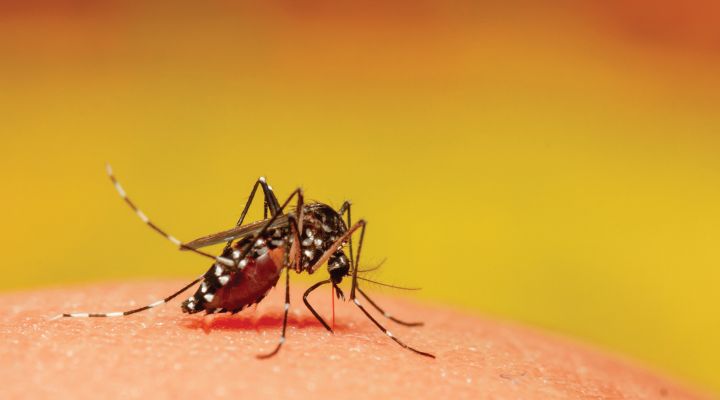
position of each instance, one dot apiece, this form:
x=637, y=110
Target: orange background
x=555, y=164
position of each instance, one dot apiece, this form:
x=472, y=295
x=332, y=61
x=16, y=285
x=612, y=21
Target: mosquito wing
x=237, y=232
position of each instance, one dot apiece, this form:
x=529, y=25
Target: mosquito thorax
x=321, y=227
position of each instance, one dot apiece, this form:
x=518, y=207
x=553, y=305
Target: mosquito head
x=338, y=267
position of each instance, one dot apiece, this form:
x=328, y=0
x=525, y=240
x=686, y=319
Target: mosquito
x=255, y=255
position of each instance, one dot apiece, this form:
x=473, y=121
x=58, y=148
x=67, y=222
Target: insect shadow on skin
x=256, y=254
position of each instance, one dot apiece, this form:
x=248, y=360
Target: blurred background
x=552, y=164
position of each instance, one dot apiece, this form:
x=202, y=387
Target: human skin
x=165, y=354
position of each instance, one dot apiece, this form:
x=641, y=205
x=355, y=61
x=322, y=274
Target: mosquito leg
x=312, y=310
x=294, y=250
x=146, y=220
x=360, y=306
x=386, y=314
x=345, y=208
x=293, y=227
x=356, y=262
x=128, y=312
x=297, y=226
x=285, y=317
x=388, y=333
x=269, y=202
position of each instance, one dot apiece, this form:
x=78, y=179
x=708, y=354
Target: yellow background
x=555, y=165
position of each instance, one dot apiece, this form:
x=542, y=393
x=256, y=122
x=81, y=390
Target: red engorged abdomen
x=248, y=286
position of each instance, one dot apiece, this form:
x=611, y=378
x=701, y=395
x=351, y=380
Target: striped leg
x=388, y=333
x=296, y=259
x=146, y=220
x=285, y=317
x=385, y=313
x=345, y=209
x=367, y=314
x=128, y=312
x=270, y=202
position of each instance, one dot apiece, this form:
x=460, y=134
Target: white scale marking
x=225, y=261
x=80, y=315
x=209, y=297
x=287, y=306
x=243, y=263
x=114, y=314
x=203, y=287
x=157, y=303
x=389, y=333
x=223, y=279
x=282, y=340
x=120, y=190
x=173, y=239
x=142, y=216
x=356, y=302
x=218, y=270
